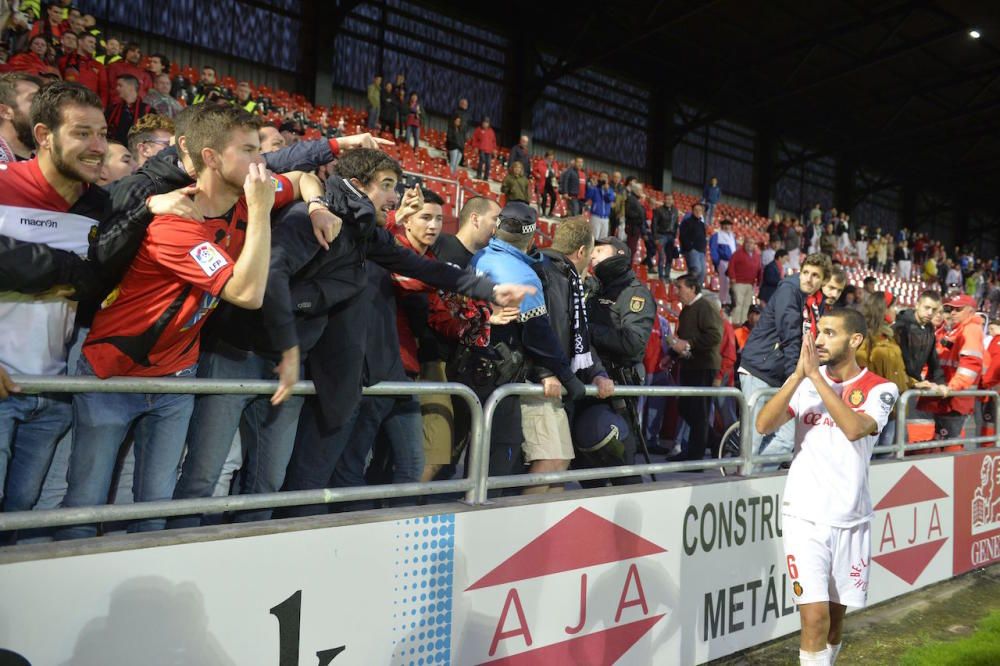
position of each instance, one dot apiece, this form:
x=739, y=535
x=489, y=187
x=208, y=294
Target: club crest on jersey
x=856, y=397
x=797, y=588
x=208, y=258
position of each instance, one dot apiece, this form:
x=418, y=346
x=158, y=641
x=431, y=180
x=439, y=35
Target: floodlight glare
x=975, y=34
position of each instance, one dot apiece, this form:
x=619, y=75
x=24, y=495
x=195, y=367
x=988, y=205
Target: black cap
x=618, y=244
x=517, y=217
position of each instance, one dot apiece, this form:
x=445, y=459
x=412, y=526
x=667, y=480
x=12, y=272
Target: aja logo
x=908, y=530
x=583, y=592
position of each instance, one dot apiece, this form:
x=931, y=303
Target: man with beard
x=48, y=206
x=837, y=410
x=16, y=92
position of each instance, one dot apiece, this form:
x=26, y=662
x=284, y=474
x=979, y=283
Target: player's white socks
x=834, y=651
x=821, y=658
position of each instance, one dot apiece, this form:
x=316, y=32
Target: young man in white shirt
x=839, y=409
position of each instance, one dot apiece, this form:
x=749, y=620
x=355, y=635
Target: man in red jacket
x=484, y=139
x=745, y=275
x=127, y=65
x=89, y=72
x=961, y=353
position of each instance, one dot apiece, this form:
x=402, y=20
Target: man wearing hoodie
x=772, y=350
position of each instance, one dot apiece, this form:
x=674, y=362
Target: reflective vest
x=250, y=106
x=961, y=355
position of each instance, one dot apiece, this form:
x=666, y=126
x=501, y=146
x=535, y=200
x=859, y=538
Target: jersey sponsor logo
x=817, y=418
x=278, y=185
x=637, y=304
x=208, y=258
x=856, y=397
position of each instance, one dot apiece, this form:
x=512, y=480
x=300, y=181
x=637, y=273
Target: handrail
x=477, y=483
x=902, y=410
x=485, y=482
x=160, y=509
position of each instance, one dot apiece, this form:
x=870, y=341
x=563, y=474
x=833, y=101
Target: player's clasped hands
x=808, y=358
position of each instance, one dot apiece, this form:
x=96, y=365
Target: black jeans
x=694, y=409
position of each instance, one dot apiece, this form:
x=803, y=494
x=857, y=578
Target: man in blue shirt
x=601, y=197
x=528, y=337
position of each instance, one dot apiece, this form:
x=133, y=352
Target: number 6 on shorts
x=793, y=571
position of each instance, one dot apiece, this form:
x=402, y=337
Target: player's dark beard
x=64, y=167
x=22, y=127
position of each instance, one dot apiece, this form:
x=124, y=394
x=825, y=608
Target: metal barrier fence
x=902, y=410
x=485, y=482
x=161, y=509
x=477, y=483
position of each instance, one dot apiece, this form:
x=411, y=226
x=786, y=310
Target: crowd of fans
x=157, y=229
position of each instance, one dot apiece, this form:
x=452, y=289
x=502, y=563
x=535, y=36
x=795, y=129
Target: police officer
x=528, y=335
x=621, y=312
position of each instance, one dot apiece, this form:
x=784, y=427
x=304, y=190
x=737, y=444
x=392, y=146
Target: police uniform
x=529, y=337
x=621, y=312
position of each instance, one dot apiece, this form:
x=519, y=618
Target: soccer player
x=839, y=410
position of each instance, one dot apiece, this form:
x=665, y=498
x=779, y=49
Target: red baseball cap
x=961, y=301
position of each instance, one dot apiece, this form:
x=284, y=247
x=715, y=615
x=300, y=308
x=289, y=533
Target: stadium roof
x=898, y=86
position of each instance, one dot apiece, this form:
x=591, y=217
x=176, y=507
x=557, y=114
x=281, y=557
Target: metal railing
x=164, y=508
x=902, y=411
x=478, y=482
x=485, y=482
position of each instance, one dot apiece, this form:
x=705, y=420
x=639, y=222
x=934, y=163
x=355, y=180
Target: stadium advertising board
x=677, y=575
x=977, y=511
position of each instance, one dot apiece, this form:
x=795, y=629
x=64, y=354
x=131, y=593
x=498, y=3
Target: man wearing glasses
x=149, y=136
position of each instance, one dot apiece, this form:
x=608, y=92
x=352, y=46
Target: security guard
x=244, y=99
x=528, y=336
x=621, y=312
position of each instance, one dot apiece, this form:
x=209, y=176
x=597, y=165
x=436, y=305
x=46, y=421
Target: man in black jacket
x=548, y=445
x=694, y=240
x=620, y=311
x=635, y=217
x=772, y=350
x=665, y=218
x=571, y=185
x=915, y=335
x=325, y=303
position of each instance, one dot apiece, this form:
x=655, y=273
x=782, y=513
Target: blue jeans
x=413, y=134
x=101, y=422
x=696, y=264
x=267, y=433
x=30, y=428
x=454, y=159
x=782, y=441
x=373, y=115
x=399, y=420
x=662, y=265
x=483, y=170
x=709, y=212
